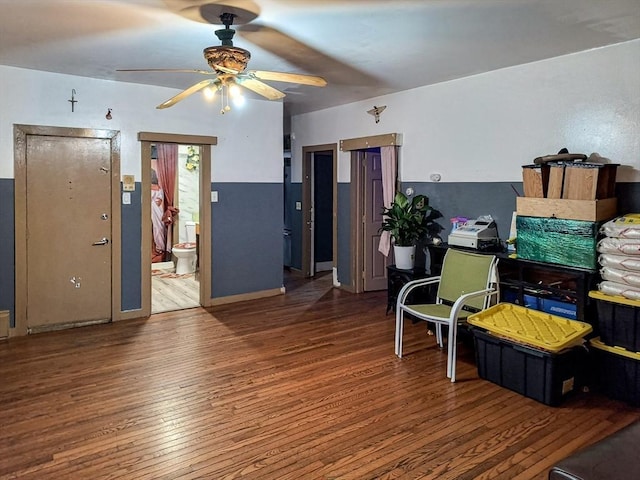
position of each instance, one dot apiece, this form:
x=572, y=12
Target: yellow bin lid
x=597, y=343
x=598, y=295
x=538, y=329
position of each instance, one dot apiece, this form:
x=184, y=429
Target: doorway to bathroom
x=176, y=172
x=175, y=221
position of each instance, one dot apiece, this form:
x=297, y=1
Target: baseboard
x=245, y=296
x=4, y=324
x=130, y=315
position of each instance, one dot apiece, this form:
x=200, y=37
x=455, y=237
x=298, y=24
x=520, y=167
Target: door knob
x=104, y=241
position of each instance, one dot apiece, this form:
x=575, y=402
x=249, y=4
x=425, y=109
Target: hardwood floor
x=299, y=386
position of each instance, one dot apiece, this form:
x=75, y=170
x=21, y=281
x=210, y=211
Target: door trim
x=20, y=133
x=307, y=153
x=357, y=225
x=205, y=143
x=354, y=146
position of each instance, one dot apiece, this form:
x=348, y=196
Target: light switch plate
x=214, y=196
x=298, y=205
x=126, y=198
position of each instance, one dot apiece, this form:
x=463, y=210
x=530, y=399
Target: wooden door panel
x=375, y=264
x=68, y=210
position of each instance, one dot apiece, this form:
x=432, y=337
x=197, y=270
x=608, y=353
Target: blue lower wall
x=131, y=238
x=344, y=233
x=296, y=226
x=246, y=238
x=7, y=252
x=497, y=199
x=471, y=200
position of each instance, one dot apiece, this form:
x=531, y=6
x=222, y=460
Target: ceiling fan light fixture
x=234, y=91
x=209, y=93
x=229, y=63
x=232, y=58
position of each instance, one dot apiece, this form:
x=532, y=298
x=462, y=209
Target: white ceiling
x=363, y=48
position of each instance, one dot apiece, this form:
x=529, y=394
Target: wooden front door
x=69, y=236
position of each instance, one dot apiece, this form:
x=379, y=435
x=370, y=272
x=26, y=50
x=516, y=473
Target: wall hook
x=108, y=115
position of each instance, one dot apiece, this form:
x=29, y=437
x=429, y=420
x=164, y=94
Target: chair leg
x=452, y=350
x=439, y=335
x=399, y=331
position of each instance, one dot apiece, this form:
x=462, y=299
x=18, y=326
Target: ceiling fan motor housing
x=233, y=58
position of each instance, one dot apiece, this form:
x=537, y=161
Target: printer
x=481, y=234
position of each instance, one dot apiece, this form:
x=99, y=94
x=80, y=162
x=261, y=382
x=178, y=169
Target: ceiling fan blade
x=170, y=70
x=312, y=80
x=260, y=88
x=185, y=93
x=305, y=57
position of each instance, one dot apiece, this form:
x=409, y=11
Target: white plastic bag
x=627, y=226
x=613, y=288
x=621, y=276
x=620, y=246
x=621, y=262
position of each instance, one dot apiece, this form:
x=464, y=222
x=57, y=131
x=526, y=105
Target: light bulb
x=209, y=93
x=234, y=91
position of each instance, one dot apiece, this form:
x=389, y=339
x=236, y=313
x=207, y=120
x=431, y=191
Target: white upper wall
x=484, y=128
x=249, y=138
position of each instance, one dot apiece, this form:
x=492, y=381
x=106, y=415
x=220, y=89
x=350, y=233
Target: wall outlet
x=214, y=197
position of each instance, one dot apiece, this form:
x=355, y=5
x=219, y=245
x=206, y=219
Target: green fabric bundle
x=557, y=240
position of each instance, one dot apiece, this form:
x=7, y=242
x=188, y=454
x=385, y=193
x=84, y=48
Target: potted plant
x=408, y=221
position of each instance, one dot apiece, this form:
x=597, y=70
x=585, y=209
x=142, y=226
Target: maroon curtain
x=167, y=166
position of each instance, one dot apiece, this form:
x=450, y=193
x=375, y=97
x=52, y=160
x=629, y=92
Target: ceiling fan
x=229, y=65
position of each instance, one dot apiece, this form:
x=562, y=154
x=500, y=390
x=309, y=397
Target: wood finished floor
x=300, y=386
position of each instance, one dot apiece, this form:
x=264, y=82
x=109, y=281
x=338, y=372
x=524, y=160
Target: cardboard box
x=588, y=210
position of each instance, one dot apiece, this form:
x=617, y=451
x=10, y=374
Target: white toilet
x=186, y=252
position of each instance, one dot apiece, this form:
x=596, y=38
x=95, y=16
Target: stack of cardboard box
x=559, y=217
